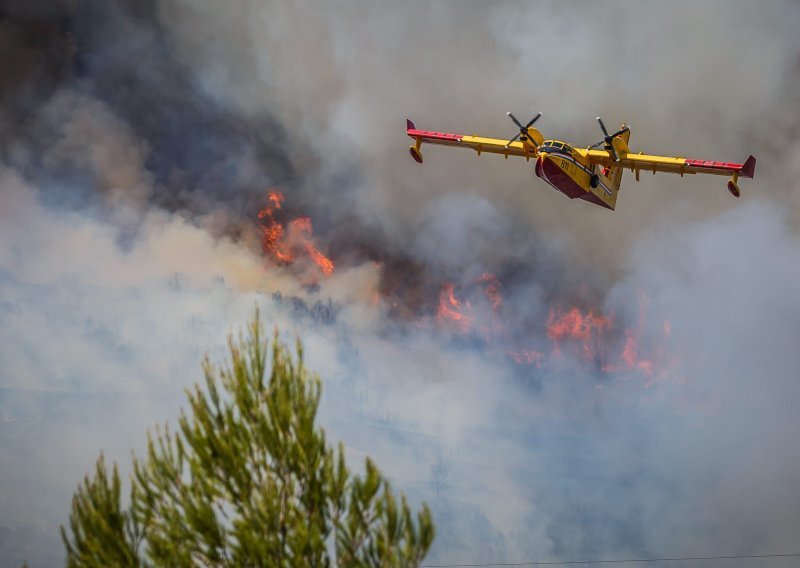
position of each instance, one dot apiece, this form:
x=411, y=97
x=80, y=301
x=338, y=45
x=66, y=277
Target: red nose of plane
x=539, y=167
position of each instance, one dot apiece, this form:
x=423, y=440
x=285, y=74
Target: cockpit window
x=555, y=147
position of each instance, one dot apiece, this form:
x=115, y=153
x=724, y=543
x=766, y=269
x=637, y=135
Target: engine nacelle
x=733, y=188
x=415, y=153
x=620, y=145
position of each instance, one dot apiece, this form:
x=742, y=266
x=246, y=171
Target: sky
x=141, y=139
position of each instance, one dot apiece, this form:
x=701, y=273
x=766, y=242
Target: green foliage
x=103, y=534
x=247, y=480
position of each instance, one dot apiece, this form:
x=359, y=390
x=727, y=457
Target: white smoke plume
x=139, y=140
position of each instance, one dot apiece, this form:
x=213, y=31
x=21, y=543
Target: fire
x=451, y=309
x=304, y=232
x=285, y=243
x=492, y=290
x=477, y=309
x=574, y=324
x=275, y=199
x=631, y=357
x=463, y=317
x=590, y=335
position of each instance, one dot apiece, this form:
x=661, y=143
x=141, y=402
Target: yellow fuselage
x=570, y=171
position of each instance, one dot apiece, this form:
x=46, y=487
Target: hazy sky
x=139, y=140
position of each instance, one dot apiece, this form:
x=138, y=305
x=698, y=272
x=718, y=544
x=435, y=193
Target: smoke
x=140, y=139
x=685, y=84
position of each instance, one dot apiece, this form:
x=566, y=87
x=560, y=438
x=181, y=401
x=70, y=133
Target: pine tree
x=248, y=479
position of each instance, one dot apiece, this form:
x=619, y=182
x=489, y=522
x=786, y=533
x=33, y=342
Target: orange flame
x=631, y=357
x=574, y=324
x=285, y=244
x=303, y=230
x=492, y=289
x=493, y=293
x=450, y=309
x=275, y=198
x=589, y=334
x=585, y=329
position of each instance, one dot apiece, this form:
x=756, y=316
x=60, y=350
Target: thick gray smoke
x=139, y=140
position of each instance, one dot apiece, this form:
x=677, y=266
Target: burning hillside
x=477, y=311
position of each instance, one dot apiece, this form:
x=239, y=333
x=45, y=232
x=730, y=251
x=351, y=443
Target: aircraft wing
x=650, y=163
x=477, y=143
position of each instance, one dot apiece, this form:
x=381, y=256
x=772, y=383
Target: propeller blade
x=517, y=122
x=523, y=130
x=602, y=126
x=620, y=132
x=534, y=119
x=607, y=147
x=608, y=139
x=510, y=141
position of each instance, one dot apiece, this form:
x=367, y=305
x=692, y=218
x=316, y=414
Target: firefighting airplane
x=584, y=173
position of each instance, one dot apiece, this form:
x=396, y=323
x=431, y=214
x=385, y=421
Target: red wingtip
x=410, y=125
x=748, y=168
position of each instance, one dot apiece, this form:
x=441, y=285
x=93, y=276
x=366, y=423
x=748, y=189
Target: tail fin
x=613, y=174
x=749, y=167
x=610, y=177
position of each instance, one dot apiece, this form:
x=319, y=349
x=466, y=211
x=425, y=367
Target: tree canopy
x=247, y=479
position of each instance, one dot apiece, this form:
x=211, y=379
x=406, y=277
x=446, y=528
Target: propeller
x=608, y=138
x=523, y=130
